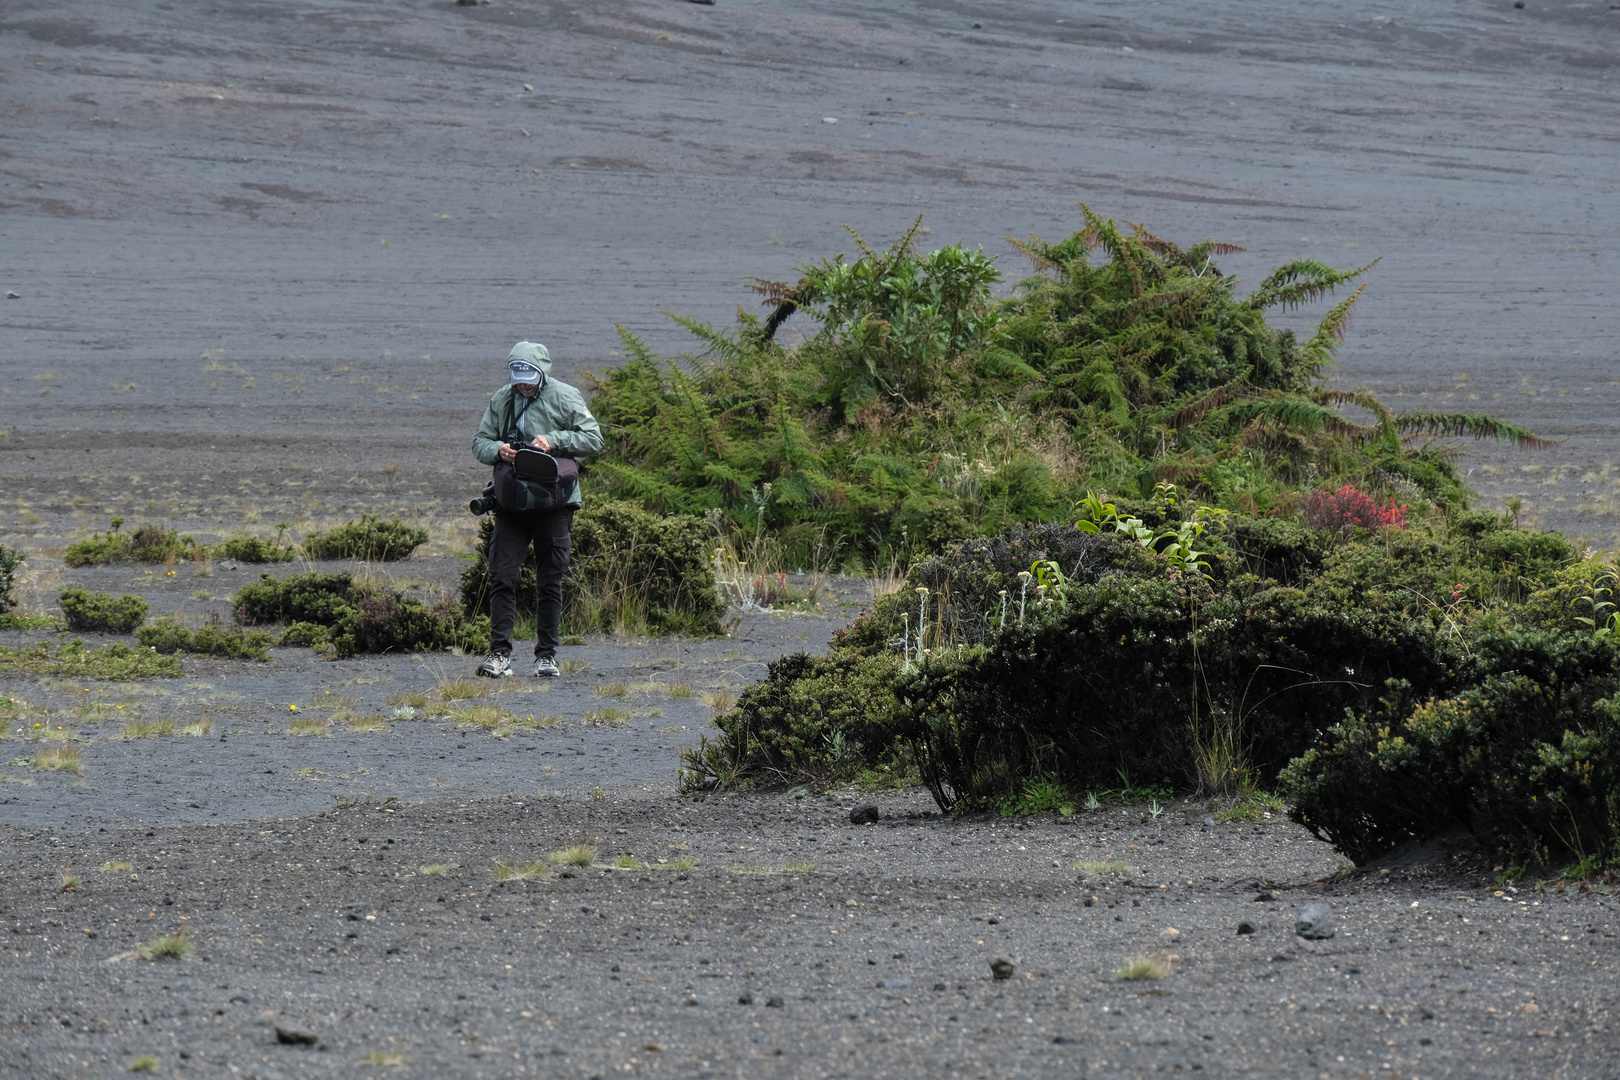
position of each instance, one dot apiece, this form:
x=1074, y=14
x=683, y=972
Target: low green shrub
x=333, y=611
x=233, y=642
x=629, y=572
x=100, y=612
x=10, y=559
x=369, y=539
x=1394, y=683
x=253, y=549
x=149, y=544
x=1526, y=755
x=72, y=660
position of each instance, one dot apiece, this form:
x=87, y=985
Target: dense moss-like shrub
x=355, y=617
x=233, y=642
x=253, y=549
x=149, y=543
x=10, y=559
x=1527, y=757
x=72, y=660
x=812, y=718
x=629, y=571
x=368, y=538
x=101, y=612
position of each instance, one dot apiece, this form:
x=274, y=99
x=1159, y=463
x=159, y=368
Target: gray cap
x=526, y=358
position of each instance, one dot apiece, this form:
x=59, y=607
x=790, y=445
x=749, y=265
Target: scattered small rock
x=894, y=984
x=1245, y=927
x=939, y=987
x=863, y=815
x=1315, y=921
x=774, y=1003
x=1001, y=968
x=228, y=564
x=294, y=1037
x=1299, y=944
x=1209, y=822
x=708, y=3
x=12, y=296
x=1265, y=897
x=745, y=998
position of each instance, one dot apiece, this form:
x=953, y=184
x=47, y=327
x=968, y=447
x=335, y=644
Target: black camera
x=485, y=503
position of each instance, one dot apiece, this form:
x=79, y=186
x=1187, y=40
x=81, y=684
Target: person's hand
x=543, y=443
x=506, y=453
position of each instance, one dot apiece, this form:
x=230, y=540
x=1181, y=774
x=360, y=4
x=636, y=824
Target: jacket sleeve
x=487, y=442
x=578, y=435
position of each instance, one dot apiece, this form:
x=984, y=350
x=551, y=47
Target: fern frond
x=1472, y=425
x=1386, y=419
x=1300, y=282
x=1195, y=411
x=1036, y=250
x=1324, y=344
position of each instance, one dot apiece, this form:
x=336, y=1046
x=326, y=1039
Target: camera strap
x=514, y=429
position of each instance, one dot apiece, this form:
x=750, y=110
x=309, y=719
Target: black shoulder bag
x=535, y=481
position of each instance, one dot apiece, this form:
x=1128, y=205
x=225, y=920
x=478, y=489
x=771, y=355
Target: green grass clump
x=367, y=725
x=1253, y=808
x=309, y=725
x=101, y=612
x=434, y=869
x=607, y=717
x=71, y=659
x=145, y=1063
x=233, y=642
x=142, y=729
x=577, y=855
x=684, y=862
x=1143, y=967
x=57, y=760
x=368, y=539
x=114, y=866
x=617, y=689
x=386, y=1057
x=520, y=871
x=174, y=946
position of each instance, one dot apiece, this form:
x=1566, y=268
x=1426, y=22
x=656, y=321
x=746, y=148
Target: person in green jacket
x=535, y=409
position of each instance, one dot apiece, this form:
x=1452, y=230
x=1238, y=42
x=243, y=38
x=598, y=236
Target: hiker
x=532, y=410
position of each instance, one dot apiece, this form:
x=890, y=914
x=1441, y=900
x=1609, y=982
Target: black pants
x=549, y=532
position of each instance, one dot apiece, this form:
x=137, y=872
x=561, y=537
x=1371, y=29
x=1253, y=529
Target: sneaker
x=496, y=667
x=546, y=668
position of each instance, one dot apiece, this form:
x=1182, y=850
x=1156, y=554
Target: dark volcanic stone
x=294, y=1037
x=863, y=815
x=1001, y=968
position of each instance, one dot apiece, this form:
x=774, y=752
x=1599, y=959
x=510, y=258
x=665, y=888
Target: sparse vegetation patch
x=96, y=612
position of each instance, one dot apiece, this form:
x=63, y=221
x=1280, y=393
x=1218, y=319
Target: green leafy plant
x=71, y=659
x=369, y=539
x=336, y=612
x=101, y=612
x=208, y=640
x=10, y=559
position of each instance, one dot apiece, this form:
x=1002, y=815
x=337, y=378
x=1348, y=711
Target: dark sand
x=268, y=259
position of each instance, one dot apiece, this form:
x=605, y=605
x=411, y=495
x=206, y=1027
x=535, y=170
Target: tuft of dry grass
x=685, y=862
x=719, y=702
x=198, y=728
x=610, y=717
x=612, y=689
x=628, y=862
x=572, y=665
x=410, y=699
x=799, y=868
x=145, y=729
x=363, y=725
x=308, y=725
x=173, y=947
x=682, y=690
x=434, y=869
x=1105, y=866
x=145, y=1063
x=1156, y=966
x=386, y=1057
x=462, y=689
x=521, y=871
x=488, y=717
x=538, y=722
x=58, y=759
x=70, y=882
x=578, y=855
x=114, y=866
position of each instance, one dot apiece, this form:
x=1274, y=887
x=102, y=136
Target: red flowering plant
x=1352, y=508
